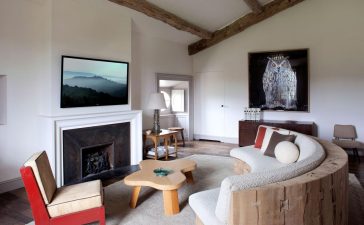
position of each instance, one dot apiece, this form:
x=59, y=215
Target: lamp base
x=156, y=127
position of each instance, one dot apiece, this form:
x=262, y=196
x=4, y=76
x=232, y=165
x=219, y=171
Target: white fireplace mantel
x=53, y=128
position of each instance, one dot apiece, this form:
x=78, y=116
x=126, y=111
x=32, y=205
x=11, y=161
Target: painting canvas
x=278, y=80
x=93, y=82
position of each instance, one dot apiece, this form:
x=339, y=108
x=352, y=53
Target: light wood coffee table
x=181, y=172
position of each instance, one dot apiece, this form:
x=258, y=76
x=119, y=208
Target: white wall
x=34, y=35
x=332, y=30
x=93, y=29
x=150, y=56
x=23, y=54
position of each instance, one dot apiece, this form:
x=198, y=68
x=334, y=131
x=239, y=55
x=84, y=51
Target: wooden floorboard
x=357, y=168
x=15, y=209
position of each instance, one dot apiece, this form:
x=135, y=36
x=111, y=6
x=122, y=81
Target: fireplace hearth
x=97, y=152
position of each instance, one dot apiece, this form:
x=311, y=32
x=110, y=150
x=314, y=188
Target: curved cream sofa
x=276, y=192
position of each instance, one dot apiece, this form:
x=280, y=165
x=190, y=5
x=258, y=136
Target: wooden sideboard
x=248, y=129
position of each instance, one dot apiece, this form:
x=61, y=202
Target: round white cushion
x=286, y=152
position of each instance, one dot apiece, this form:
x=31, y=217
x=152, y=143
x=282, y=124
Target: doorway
x=178, y=93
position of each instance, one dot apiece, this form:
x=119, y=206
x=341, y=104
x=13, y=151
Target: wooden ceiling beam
x=254, y=5
x=241, y=24
x=155, y=12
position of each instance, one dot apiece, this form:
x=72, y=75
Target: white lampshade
x=156, y=101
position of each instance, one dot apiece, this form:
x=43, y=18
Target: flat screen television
x=93, y=82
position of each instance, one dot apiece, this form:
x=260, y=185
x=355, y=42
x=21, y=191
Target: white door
x=233, y=106
x=209, y=105
x=219, y=101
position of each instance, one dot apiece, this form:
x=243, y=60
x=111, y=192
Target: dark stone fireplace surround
x=110, y=142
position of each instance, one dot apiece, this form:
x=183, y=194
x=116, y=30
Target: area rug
x=211, y=170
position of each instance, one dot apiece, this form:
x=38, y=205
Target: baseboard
x=230, y=140
x=206, y=137
x=216, y=138
x=10, y=185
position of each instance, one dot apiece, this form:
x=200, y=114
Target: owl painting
x=280, y=84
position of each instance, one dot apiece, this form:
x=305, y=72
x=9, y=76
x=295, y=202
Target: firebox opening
x=97, y=159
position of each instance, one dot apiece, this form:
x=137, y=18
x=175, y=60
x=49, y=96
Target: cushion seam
x=50, y=205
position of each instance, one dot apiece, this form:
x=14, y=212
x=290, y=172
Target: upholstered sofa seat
x=256, y=159
x=204, y=205
x=74, y=198
x=264, y=170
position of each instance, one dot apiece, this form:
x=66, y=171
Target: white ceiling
x=207, y=14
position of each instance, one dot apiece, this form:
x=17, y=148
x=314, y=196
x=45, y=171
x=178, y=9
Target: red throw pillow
x=260, y=137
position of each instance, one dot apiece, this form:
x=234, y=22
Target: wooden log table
x=181, y=171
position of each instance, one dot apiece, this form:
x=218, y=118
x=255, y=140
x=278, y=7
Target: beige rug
x=210, y=172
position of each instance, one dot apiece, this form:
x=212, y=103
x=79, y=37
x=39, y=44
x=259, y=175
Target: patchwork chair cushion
x=43, y=174
x=75, y=198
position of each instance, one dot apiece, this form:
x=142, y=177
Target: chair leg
x=102, y=218
x=357, y=154
x=183, y=139
x=353, y=155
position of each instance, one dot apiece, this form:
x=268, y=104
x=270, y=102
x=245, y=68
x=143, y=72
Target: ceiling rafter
x=241, y=24
x=254, y=5
x=155, y=12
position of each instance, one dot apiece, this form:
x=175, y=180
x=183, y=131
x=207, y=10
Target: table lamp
x=156, y=102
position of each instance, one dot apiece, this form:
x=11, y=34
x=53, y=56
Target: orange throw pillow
x=260, y=137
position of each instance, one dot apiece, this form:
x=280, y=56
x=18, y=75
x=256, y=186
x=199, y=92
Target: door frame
x=189, y=79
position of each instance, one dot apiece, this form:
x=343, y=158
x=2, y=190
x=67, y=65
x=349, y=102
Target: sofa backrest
x=306, y=145
x=43, y=173
x=311, y=155
x=318, y=196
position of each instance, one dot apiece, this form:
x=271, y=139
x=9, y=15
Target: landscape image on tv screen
x=93, y=82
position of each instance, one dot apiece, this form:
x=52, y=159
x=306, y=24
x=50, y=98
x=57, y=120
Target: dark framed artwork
x=278, y=80
x=93, y=82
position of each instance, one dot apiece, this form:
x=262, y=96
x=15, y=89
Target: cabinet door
x=209, y=101
x=233, y=104
x=247, y=132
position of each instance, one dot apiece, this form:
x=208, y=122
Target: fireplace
x=54, y=128
x=96, y=152
x=96, y=159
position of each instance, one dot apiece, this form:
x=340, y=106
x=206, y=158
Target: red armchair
x=74, y=204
